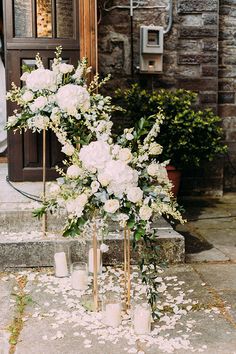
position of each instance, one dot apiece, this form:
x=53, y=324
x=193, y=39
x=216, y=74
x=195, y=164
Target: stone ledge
x=38, y=252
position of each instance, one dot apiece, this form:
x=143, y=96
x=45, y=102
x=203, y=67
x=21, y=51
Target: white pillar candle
x=61, y=269
x=79, y=279
x=112, y=315
x=142, y=320
x=90, y=260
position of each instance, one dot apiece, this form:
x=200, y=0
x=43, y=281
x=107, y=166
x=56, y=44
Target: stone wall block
x=197, y=59
x=209, y=19
x=227, y=110
x=226, y=97
x=209, y=70
x=188, y=6
x=210, y=84
x=197, y=32
x=210, y=45
x=206, y=97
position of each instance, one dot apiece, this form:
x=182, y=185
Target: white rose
x=65, y=68
x=38, y=122
x=39, y=103
x=71, y=98
x=135, y=194
x=125, y=155
x=41, y=79
x=78, y=73
x=95, y=155
x=153, y=169
x=73, y=171
x=129, y=136
x=24, y=76
x=145, y=212
x=155, y=149
x=55, y=115
x=76, y=206
x=68, y=149
x=103, y=179
x=104, y=248
x=122, y=217
x=12, y=120
x=27, y=96
x=95, y=186
x=54, y=188
x=111, y=205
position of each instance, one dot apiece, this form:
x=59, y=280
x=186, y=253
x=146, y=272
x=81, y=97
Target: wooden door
x=33, y=26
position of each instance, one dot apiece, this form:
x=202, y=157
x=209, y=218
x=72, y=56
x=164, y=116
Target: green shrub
x=188, y=136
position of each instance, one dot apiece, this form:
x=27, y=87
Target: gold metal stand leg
x=44, y=220
x=128, y=269
x=95, y=268
x=127, y=282
x=125, y=267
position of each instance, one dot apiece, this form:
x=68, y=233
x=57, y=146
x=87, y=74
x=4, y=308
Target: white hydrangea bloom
x=95, y=155
x=65, y=68
x=76, y=206
x=38, y=104
x=41, y=79
x=71, y=98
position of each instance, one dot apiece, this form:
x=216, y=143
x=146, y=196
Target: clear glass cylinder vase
x=111, y=310
x=79, y=276
x=62, y=259
x=142, y=317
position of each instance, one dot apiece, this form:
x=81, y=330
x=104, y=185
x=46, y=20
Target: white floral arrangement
x=109, y=180
x=104, y=178
x=59, y=99
x=117, y=179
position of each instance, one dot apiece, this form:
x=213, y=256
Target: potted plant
x=189, y=136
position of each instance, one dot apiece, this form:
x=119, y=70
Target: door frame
x=84, y=41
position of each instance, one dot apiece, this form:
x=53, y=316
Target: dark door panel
x=26, y=34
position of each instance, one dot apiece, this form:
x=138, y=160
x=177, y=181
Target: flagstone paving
x=199, y=316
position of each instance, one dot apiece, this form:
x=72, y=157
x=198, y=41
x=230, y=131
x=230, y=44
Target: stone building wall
x=190, y=61
x=227, y=86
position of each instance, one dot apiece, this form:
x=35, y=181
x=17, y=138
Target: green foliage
x=188, y=136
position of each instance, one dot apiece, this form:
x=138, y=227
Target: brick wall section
x=190, y=61
x=227, y=86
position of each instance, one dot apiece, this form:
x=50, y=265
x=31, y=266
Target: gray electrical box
x=151, y=49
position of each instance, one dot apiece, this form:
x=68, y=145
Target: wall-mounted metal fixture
x=151, y=37
x=151, y=49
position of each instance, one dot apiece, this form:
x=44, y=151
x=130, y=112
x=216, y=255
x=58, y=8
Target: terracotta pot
x=174, y=176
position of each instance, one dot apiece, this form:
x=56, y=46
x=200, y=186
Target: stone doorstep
x=39, y=252
x=20, y=220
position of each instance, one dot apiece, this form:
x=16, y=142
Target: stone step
x=32, y=250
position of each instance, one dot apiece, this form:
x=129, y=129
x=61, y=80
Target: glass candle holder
x=142, y=318
x=79, y=276
x=62, y=259
x=111, y=310
x=91, y=258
